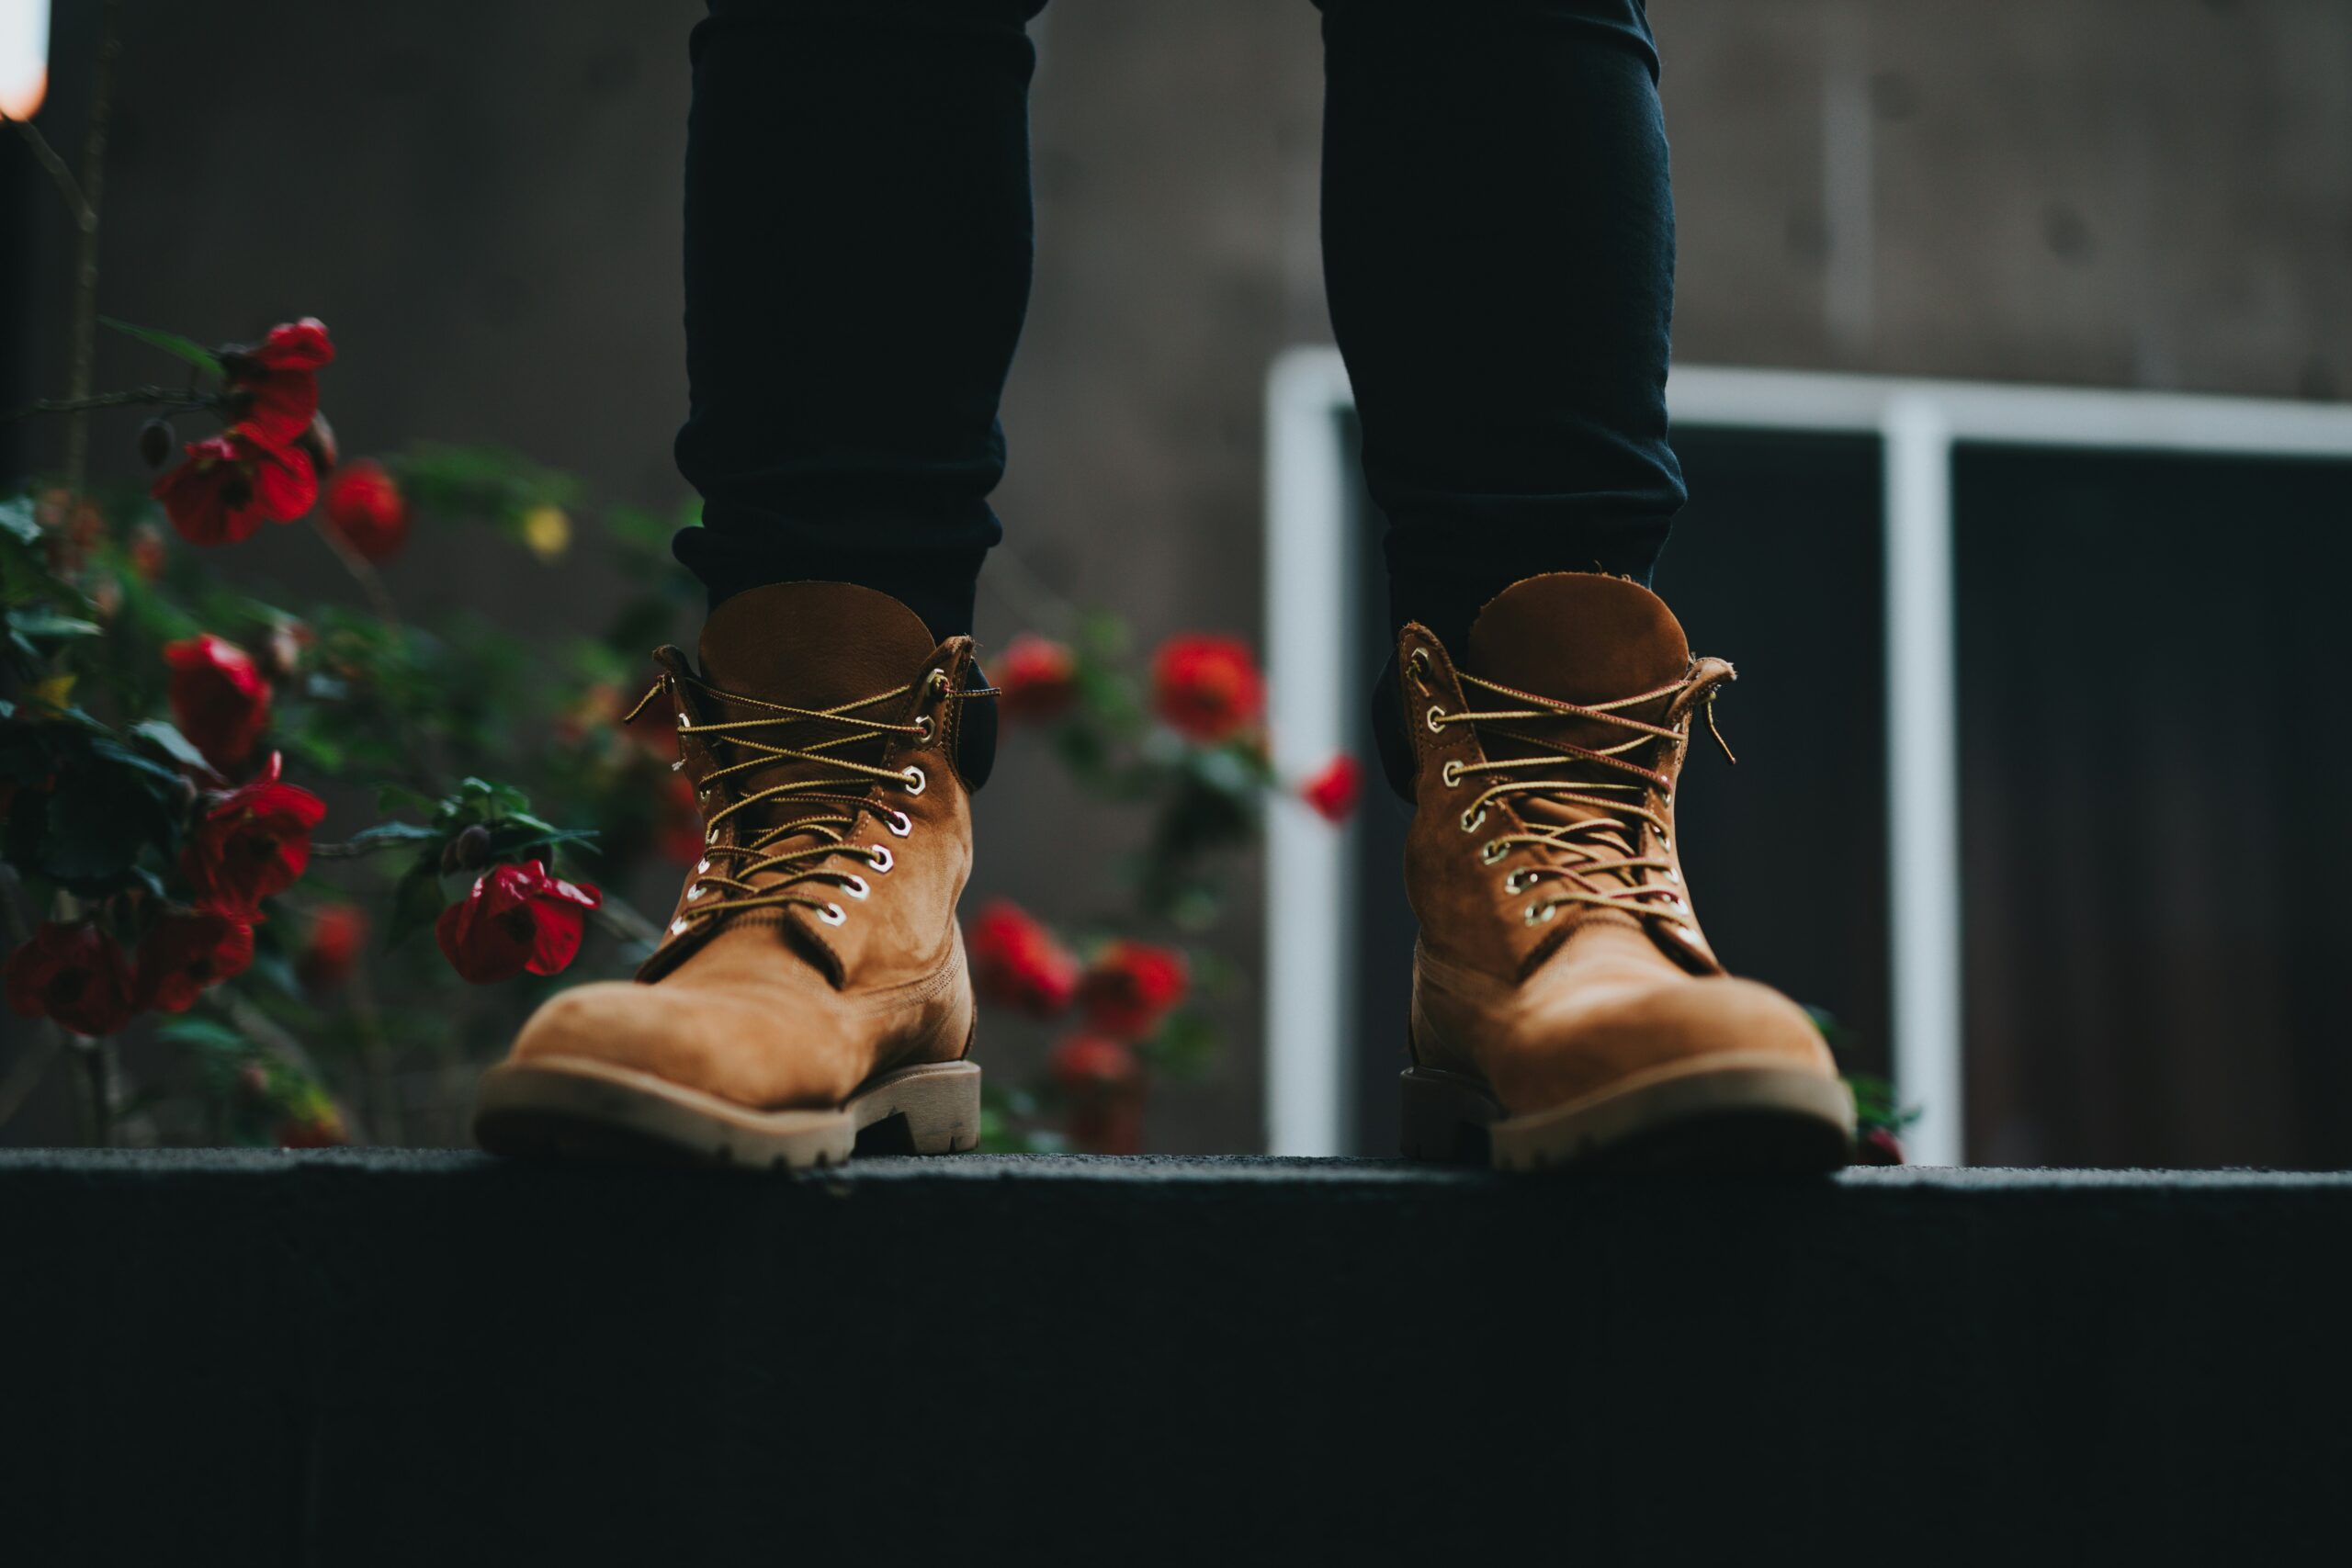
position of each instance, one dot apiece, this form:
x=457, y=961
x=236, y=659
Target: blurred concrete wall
x=482, y=200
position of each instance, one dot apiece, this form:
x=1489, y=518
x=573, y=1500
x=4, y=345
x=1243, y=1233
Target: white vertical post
x=1307, y=933
x=1923, y=776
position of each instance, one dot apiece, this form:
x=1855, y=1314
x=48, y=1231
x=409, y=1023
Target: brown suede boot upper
x=1559, y=955
x=815, y=943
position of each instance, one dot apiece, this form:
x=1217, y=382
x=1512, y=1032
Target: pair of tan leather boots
x=811, y=986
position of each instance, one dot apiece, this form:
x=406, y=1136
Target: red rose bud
x=253, y=1081
x=1036, y=679
x=74, y=974
x=1206, y=687
x=1103, y=1083
x=367, y=508
x=156, y=440
x=515, y=918
x=273, y=388
x=251, y=844
x=1130, y=986
x=230, y=483
x=1878, y=1145
x=338, y=933
x=219, y=698
x=320, y=443
x=147, y=556
x=1335, y=789
x=1016, y=961
x=183, y=953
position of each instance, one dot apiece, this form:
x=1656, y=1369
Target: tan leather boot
x=1565, y=1007
x=810, y=984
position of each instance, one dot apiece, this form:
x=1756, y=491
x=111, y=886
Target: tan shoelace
x=730, y=871
x=1583, y=852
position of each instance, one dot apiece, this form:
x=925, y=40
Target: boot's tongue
x=809, y=645
x=1577, y=637
x=812, y=645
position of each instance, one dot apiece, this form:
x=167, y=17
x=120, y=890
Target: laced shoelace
x=730, y=871
x=1584, y=853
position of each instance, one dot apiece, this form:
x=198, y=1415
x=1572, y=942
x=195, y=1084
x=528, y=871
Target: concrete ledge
x=379, y=1356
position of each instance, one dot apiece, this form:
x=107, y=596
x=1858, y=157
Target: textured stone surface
x=383, y=1357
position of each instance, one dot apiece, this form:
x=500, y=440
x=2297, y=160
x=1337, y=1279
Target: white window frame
x=1308, y=968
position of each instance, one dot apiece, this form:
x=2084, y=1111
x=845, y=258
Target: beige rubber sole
x=1729, y=1112
x=573, y=1106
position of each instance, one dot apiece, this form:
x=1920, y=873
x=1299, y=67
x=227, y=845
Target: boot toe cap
x=739, y=1048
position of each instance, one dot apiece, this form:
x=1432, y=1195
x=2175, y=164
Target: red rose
x=1207, y=687
x=337, y=934
x=250, y=844
x=273, y=388
x=219, y=698
x=1335, y=788
x=183, y=953
x=1035, y=680
x=74, y=974
x=1879, y=1145
x=1016, y=961
x=1103, y=1083
x=516, y=918
x=1129, y=987
x=367, y=508
x=231, y=482
x=678, y=830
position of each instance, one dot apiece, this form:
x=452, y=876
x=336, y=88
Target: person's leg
x=858, y=247
x=857, y=263
x=1499, y=237
x=1498, y=243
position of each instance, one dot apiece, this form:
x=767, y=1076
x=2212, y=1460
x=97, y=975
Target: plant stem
x=86, y=273
x=47, y=156
x=363, y=573
x=136, y=397
x=97, y=1073
x=383, y=1089
x=622, y=918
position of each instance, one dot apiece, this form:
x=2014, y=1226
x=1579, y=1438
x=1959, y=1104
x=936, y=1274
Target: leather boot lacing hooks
x=1607, y=842
x=766, y=869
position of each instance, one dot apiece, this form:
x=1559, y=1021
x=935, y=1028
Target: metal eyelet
x=900, y=824
x=1470, y=823
x=1664, y=844
x=833, y=915
x=694, y=893
x=1672, y=874
x=1518, y=881
x=686, y=719
x=702, y=866
x=922, y=726
x=878, y=859
x=1434, y=714
x=916, y=779
x=678, y=927
x=938, y=682
x=679, y=766
x=1419, y=660
x=1452, y=774
x=1541, y=914
x=1493, y=850
x=710, y=836
x=855, y=887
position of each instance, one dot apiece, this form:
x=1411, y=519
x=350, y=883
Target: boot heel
x=1445, y=1118
x=930, y=1109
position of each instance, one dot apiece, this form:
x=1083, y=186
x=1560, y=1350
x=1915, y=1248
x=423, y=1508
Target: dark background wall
x=482, y=200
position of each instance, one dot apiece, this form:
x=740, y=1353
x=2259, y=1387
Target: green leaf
x=178, y=347
x=385, y=834
x=167, y=738
x=17, y=520
x=400, y=798
x=202, y=1035
x=50, y=624
x=416, y=901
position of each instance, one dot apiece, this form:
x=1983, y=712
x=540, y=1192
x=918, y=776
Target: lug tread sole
x=574, y=1107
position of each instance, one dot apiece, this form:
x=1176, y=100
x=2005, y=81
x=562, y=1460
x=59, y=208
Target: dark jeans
x=1498, y=244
